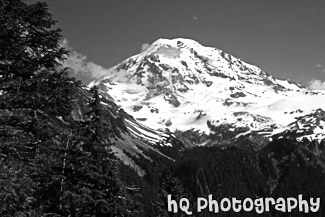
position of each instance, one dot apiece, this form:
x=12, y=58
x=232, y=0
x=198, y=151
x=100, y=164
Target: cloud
x=79, y=65
x=195, y=18
x=315, y=84
x=145, y=46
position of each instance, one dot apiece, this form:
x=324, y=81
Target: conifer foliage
x=33, y=91
x=91, y=186
x=30, y=56
x=50, y=163
x=169, y=185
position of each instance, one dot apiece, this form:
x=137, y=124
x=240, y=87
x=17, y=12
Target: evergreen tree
x=35, y=92
x=173, y=186
x=50, y=164
x=91, y=185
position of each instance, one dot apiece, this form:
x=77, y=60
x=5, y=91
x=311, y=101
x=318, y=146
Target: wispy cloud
x=145, y=46
x=315, y=84
x=79, y=65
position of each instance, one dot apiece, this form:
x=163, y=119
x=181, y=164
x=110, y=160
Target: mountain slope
x=132, y=140
x=181, y=85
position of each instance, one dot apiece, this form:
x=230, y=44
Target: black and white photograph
x=162, y=108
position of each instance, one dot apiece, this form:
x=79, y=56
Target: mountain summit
x=181, y=85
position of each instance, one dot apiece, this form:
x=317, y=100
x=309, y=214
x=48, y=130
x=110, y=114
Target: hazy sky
x=286, y=38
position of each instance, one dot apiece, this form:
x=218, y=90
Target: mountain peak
x=176, y=64
x=180, y=84
x=177, y=41
x=171, y=47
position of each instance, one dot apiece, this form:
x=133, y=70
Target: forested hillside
x=53, y=163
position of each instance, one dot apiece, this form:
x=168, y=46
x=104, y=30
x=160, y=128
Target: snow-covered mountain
x=179, y=85
x=311, y=127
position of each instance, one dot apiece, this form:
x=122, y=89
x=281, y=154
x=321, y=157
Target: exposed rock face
x=180, y=77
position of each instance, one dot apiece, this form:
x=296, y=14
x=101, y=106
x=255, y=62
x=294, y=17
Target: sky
x=285, y=38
